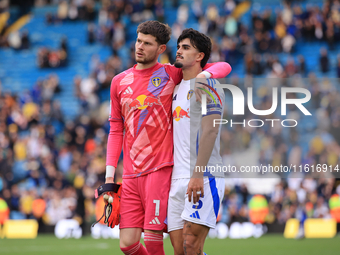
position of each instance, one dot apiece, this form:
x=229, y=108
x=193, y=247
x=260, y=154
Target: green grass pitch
x=265, y=245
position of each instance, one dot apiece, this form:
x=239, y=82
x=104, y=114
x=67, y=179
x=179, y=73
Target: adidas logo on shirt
x=195, y=215
x=128, y=91
x=155, y=221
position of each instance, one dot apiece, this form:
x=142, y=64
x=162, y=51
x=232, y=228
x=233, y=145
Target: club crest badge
x=190, y=93
x=156, y=81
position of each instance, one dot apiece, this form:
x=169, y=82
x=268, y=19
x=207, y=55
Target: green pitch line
x=266, y=245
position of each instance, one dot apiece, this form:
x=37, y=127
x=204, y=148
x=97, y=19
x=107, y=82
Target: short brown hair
x=161, y=31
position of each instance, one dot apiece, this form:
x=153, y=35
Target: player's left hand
x=195, y=189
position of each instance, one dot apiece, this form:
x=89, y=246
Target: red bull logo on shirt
x=143, y=101
x=179, y=113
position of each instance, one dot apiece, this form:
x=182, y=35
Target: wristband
x=110, y=171
x=108, y=187
x=206, y=74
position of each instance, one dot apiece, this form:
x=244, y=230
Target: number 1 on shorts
x=157, y=202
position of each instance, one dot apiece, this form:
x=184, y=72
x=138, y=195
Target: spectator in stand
x=55, y=58
x=50, y=87
x=25, y=41
x=91, y=37
x=88, y=87
x=338, y=66
x=290, y=67
x=62, y=13
x=73, y=12
x=324, y=60
x=302, y=65
x=212, y=17
x=182, y=14
x=229, y=6
x=4, y=6
x=118, y=38
x=14, y=40
x=196, y=7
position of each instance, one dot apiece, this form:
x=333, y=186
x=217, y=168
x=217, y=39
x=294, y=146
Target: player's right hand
x=200, y=88
x=112, y=203
x=112, y=208
x=195, y=189
x=106, y=196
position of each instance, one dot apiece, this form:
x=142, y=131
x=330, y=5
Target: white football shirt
x=187, y=119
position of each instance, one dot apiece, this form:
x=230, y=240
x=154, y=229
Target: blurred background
x=57, y=59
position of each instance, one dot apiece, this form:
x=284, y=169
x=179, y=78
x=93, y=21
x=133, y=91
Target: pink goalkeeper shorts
x=144, y=200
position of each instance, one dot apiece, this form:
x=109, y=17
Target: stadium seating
x=18, y=70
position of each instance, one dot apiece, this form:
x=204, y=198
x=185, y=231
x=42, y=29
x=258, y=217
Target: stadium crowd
x=53, y=58
x=300, y=192
x=71, y=11
x=42, y=156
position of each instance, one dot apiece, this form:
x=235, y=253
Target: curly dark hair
x=200, y=41
x=161, y=31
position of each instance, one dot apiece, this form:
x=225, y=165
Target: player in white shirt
x=195, y=196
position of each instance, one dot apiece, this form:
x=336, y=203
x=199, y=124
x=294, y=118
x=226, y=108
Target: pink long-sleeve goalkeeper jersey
x=140, y=104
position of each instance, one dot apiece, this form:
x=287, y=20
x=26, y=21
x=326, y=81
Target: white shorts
x=204, y=212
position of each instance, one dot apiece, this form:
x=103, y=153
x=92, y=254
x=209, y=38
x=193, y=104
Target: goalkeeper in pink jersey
x=141, y=122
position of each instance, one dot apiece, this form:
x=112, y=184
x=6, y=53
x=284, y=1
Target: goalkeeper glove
x=112, y=203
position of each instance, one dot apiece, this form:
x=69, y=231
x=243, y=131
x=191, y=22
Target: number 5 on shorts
x=157, y=202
